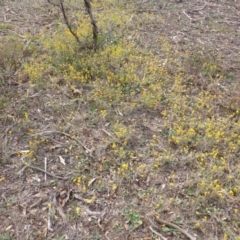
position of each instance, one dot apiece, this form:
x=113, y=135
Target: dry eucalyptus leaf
x=40, y=195
x=62, y=160
x=9, y=227
x=91, y=182
x=33, y=212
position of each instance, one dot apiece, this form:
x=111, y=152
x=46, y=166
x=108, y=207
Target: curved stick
x=43, y=171
x=174, y=226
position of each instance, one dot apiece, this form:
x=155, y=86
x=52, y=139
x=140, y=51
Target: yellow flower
x=220, y=195
x=125, y=166
x=114, y=186
x=154, y=136
x=225, y=236
x=197, y=225
x=141, y=167
x=231, y=193
x=78, y=210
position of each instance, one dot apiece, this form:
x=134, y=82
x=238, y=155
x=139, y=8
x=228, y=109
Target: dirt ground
x=35, y=205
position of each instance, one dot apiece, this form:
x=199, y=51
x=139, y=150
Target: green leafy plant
x=133, y=218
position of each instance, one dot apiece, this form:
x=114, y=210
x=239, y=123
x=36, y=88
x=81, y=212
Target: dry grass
x=145, y=129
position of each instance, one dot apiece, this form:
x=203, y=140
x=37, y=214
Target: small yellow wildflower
x=231, y=192
x=125, y=166
x=225, y=236
x=78, y=210
x=114, y=186
x=2, y=179
x=220, y=195
x=26, y=115
x=197, y=225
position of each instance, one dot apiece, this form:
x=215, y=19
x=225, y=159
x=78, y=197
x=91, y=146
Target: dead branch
x=59, y=209
x=191, y=19
x=173, y=226
x=157, y=233
x=69, y=136
x=43, y=171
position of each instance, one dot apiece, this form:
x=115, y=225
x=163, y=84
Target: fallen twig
x=69, y=136
x=45, y=168
x=109, y=134
x=200, y=8
x=36, y=203
x=95, y=213
x=106, y=235
x=89, y=212
x=187, y=15
x=43, y=171
x=190, y=18
x=59, y=209
x=174, y=226
x=160, y=235
x=49, y=221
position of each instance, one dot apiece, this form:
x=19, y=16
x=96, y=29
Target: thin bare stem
x=173, y=226
x=67, y=22
x=43, y=171
x=93, y=22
